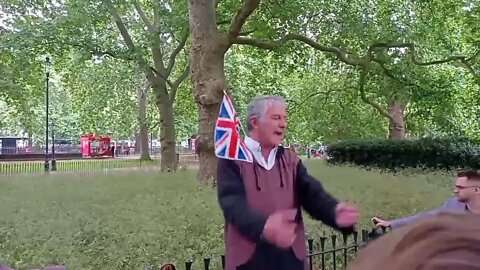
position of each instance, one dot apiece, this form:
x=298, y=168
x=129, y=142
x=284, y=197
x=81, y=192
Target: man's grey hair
x=258, y=107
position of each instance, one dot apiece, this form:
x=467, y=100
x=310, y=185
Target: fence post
x=188, y=265
x=310, y=251
x=206, y=263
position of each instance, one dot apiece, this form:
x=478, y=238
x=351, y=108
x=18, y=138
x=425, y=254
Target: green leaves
x=97, y=79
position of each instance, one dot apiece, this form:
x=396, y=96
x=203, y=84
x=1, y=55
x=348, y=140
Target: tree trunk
x=136, y=148
x=396, y=129
x=142, y=122
x=208, y=79
x=168, y=161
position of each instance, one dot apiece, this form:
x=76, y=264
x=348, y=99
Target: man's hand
x=346, y=215
x=380, y=222
x=280, y=228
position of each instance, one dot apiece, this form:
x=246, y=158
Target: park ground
x=130, y=220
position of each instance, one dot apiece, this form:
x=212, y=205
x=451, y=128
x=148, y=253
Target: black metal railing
x=29, y=167
x=328, y=253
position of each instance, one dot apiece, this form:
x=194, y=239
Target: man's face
x=466, y=190
x=272, y=127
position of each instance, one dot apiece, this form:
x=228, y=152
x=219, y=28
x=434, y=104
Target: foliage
x=424, y=153
x=97, y=72
x=147, y=219
x=389, y=55
x=186, y=116
x=323, y=91
x=22, y=91
x=322, y=105
x=105, y=101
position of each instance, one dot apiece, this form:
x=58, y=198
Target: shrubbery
x=425, y=153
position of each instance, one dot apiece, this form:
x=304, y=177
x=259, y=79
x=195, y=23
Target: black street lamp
x=47, y=76
x=52, y=124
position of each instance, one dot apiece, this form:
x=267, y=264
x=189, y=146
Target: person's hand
x=280, y=228
x=380, y=222
x=346, y=215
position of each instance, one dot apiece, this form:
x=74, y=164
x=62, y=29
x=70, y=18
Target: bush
x=425, y=153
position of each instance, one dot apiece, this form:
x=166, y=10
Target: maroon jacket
x=248, y=194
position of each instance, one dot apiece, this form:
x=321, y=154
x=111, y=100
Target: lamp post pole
x=47, y=76
x=54, y=162
x=52, y=124
x=151, y=143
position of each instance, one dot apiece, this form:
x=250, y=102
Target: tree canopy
x=349, y=69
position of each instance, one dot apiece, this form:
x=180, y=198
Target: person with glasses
x=467, y=199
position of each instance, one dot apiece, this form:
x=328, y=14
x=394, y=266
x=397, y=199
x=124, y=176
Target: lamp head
x=48, y=64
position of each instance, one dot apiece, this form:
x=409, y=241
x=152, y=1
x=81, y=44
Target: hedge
x=425, y=153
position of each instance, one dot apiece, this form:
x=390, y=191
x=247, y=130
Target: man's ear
x=253, y=122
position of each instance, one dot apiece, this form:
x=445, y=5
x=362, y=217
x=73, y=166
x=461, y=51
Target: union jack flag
x=228, y=144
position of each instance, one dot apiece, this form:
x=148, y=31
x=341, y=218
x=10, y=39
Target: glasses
x=464, y=187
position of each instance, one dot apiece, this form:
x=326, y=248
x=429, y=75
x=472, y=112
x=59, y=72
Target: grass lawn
x=133, y=220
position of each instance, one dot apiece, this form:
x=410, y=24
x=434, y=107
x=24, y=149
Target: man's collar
x=256, y=150
x=253, y=145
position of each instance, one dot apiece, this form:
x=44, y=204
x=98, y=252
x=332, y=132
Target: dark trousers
x=268, y=257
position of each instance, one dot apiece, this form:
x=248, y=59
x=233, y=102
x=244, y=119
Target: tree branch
x=241, y=17
x=363, y=96
x=272, y=45
x=173, y=56
x=413, y=56
x=351, y=59
x=149, y=71
x=156, y=15
x=156, y=44
x=316, y=93
x=175, y=85
x=120, y=25
x=469, y=67
x=146, y=21
x=246, y=33
x=477, y=53
x=462, y=59
x=92, y=49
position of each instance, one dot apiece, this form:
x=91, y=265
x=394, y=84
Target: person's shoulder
x=453, y=201
x=288, y=154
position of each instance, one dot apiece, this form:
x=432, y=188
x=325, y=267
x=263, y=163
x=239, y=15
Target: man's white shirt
x=256, y=150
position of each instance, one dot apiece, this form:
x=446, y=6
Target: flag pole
x=240, y=122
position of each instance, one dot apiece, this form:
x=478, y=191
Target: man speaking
x=261, y=189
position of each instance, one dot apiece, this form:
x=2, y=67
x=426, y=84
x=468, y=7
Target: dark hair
x=469, y=174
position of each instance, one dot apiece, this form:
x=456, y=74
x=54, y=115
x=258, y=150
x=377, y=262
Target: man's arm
x=315, y=200
x=233, y=201
x=407, y=220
